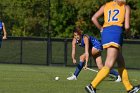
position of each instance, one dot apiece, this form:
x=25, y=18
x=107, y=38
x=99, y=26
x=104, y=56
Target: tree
x=29, y=17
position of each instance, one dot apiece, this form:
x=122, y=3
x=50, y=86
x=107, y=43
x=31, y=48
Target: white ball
x=56, y=78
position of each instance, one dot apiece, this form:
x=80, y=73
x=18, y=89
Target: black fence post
x=21, y=49
x=65, y=51
x=48, y=36
x=49, y=50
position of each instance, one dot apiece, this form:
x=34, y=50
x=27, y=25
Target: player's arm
x=127, y=21
x=96, y=16
x=73, y=50
x=127, y=18
x=4, y=31
x=86, y=41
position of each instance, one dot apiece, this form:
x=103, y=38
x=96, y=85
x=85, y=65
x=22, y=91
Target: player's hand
x=4, y=37
x=74, y=61
x=101, y=30
x=85, y=67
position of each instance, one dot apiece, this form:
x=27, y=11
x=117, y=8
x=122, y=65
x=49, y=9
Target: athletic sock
x=125, y=79
x=100, y=76
x=78, y=69
x=113, y=72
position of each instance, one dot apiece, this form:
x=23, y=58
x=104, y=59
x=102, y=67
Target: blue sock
x=78, y=69
x=113, y=72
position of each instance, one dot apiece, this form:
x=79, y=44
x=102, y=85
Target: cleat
x=90, y=89
x=118, y=79
x=135, y=89
x=73, y=77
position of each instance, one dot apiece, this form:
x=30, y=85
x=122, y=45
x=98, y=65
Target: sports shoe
x=118, y=79
x=73, y=77
x=135, y=89
x=90, y=89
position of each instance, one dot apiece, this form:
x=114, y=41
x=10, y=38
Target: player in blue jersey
x=92, y=47
x=2, y=31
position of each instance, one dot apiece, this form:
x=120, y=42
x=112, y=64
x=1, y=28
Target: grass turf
x=15, y=78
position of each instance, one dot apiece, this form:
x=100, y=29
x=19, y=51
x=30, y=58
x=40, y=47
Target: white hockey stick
x=93, y=70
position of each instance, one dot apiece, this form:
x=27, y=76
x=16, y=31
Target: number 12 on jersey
x=112, y=15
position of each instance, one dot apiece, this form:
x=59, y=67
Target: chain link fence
x=41, y=51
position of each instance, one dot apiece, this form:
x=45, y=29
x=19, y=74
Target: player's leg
x=80, y=65
x=78, y=68
x=98, y=60
x=116, y=74
x=113, y=72
x=110, y=60
x=123, y=72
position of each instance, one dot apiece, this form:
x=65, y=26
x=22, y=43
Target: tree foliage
x=30, y=17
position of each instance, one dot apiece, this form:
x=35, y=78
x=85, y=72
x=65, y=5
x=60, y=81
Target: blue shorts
x=97, y=44
x=112, y=36
x=98, y=47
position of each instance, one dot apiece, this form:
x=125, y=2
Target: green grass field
x=15, y=78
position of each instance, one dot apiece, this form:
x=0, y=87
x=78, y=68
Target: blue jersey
x=93, y=42
x=1, y=27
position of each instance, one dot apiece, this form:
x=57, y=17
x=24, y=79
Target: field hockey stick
x=93, y=70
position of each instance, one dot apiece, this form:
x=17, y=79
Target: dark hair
x=78, y=31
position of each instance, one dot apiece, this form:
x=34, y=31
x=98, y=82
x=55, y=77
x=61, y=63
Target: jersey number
x=114, y=17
